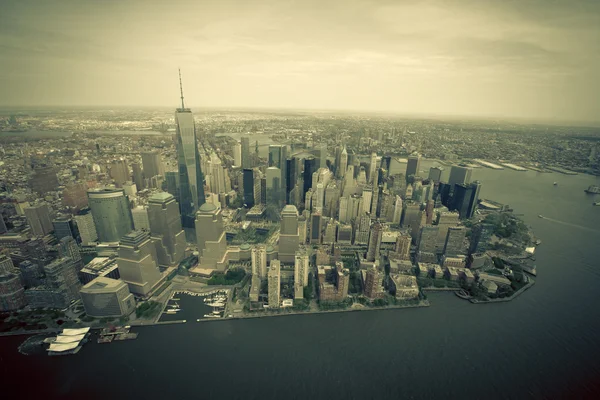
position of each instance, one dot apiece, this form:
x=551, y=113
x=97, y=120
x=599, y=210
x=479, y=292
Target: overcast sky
x=528, y=59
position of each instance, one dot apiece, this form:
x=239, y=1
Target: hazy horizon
x=534, y=61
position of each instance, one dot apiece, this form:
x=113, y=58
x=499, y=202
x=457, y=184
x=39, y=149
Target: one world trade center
x=191, y=179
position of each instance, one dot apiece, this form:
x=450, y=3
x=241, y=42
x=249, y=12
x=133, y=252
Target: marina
x=194, y=306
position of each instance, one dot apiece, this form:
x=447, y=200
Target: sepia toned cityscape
x=395, y=248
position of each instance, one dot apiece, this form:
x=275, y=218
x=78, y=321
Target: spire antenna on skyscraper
x=181, y=89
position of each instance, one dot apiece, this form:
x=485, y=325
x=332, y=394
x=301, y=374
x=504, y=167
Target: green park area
x=231, y=277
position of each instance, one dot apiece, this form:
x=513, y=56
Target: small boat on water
x=463, y=294
x=555, y=183
x=541, y=216
x=597, y=203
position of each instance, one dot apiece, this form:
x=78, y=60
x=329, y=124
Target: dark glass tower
x=191, y=179
x=310, y=166
x=248, y=181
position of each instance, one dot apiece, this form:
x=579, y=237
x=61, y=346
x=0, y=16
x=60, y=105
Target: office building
x=445, y=221
x=301, y=267
x=105, y=297
x=412, y=218
x=398, y=209
x=138, y=265
x=61, y=276
x=480, y=238
x=237, y=154
x=191, y=179
x=246, y=157
x=67, y=247
x=38, y=218
x=455, y=239
x=315, y=228
x=363, y=226
x=310, y=167
x=138, y=176
x=119, y=172
x=259, y=261
x=343, y=164
x=435, y=174
x=140, y=218
x=413, y=165
x=152, y=164
x=273, y=285
x=75, y=195
x=12, y=293
x=344, y=234
x=86, y=226
x=172, y=180
x=428, y=239
x=372, y=167
x=99, y=267
x=111, y=213
x=64, y=227
x=31, y=274
x=210, y=237
x=278, y=159
x=330, y=231
x=248, y=187
x=274, y=193
x=374, y=242
x=459, y=175
x=288, y=234
x=165, y=229
x=465, y=199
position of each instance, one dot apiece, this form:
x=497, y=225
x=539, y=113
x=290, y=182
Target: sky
x=532, y=59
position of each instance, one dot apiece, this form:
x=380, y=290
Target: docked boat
x=597, y=203
x=593, y=189
x=463, y=294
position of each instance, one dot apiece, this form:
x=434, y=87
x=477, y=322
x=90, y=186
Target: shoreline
x=514, y=296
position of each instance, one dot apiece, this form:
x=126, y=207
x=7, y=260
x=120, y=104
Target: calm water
x=542, y=345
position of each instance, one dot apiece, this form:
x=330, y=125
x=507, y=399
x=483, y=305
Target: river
x=544, y=344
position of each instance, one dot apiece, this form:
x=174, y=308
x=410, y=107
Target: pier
x=488, y=164
x=514, y=167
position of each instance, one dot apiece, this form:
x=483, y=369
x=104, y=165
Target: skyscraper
x=61, y=275
x=274, y=193
x=315, y=228
x=428, y=239
x=246, y=158
x=435, y=174
x=402, y=248
x=138, y=265
x=237, y=154
x=111, y=213
x=64, y=227
x=210, y=237
x=455, y=241
x=459, y=175
x=464, y=199
x=274, y=283
x=259, y=261
x=138, y=176
x=278, y=159
x=191, y=179
x=372, y=167
x=119, y=172
x=343, y=165
x=288, y=234
x=38, y=218
x=374, y=242
x=310, y=166
x=86, y=226
x=248, y=187
x=300, y=273
x=165, y=228
x=413, y=166
x=152, y=164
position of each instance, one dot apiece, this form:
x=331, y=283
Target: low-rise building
x=497, y=279
x=490, y=286
x=99, y=266
x=404, y=286
x=456, y=262
x=452, y=273
x=106, y=297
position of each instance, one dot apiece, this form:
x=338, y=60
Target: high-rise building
x=343, y=165
x=74, y=195
x=172, y=180
x=480, y=238
x=273, y=285
x=61, y=276
x=12, y=293
x=111, y=213
x=445, y=221
x=140, y=218
x=288, y=234
x=210, y=237
x=85, y=226
x=38, y=218
x=165, y=228
x=397, y=217
x=333, y=282
x=455, y=239
x=278, y=159
x=372, y=167
x=363, y=226
x=246, y=158
x=459, y=175
x=67, y=247
x=105, y=297
x=259, y=261
x=330, y=234
x=64, y=227
x=152, y=164
x=428, y=239
x=138, y=176
x=217, y=175
x=402, y=248
x=373, y=283
x=310, y=166
x=412, y=218
x=414, y=165
x=435, y=174
x=300, y=273
x=322, y=155
x=274, y=194
x=375, y=237
x=138, y=265
x=237, y=154
x=465, y=198
x=119, y=172
x=315, y=228
x=191, y=179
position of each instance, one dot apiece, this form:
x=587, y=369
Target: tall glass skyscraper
x=111, y=214
x=191, y=179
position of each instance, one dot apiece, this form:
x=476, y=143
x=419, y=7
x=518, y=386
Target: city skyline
x=478, y=59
